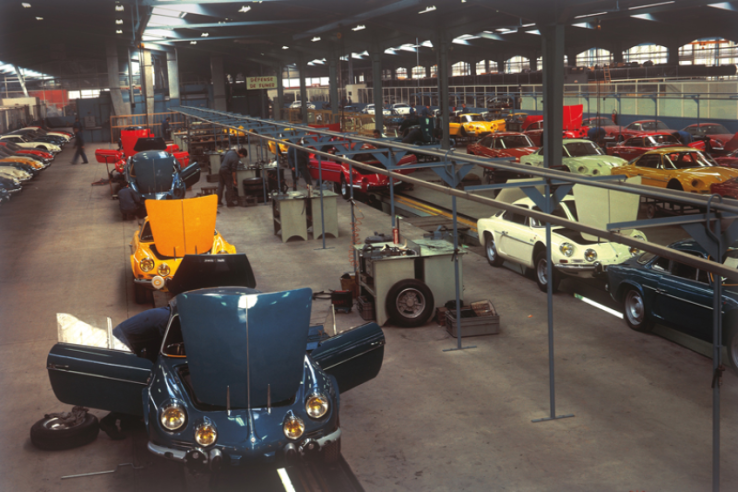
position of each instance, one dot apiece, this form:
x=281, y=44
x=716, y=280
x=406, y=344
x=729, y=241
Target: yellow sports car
x=677, y=168
x=173, y=229
x=473, y=125
x=24, y=160
x=282, y=148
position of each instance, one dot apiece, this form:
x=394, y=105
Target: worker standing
x=227, y=175
x=166, y=130
x=79, y=144
x=77, y=125
x=299, y=161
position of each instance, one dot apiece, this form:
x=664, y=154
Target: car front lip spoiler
x=574, y=268
x=179, y=455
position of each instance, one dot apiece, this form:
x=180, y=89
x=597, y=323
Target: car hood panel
x=249, y=344
x=183, y=227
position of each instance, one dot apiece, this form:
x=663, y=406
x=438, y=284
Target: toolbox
x=479, y=318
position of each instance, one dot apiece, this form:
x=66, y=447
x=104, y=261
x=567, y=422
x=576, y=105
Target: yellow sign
x=261, y=82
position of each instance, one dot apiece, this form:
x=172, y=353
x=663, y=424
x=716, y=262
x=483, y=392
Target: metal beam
x=21, y=80
x=206, y=25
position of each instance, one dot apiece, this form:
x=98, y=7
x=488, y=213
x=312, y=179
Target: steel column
x=443, y=89
x=303, y=91
x=218, y=76
x=377, y=90
x=173, y=76
x=333, y=82
x=278, y=107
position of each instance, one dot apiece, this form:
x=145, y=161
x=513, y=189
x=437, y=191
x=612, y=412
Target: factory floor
x=431, y=421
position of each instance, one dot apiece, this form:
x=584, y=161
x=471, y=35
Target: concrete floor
x=431, y=420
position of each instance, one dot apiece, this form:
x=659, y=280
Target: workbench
x=431, y=264
x=289, y=214
x=330, y=212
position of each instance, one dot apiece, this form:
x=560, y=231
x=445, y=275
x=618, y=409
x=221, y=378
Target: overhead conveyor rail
x=719, y=211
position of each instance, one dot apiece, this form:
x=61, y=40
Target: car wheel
x=41, y=147
x=540, y=273
x=143, y=295
x=52, y=433
x=410, y=303
x=462, y=132
x=675, y=185
x=634, y=312
x=491, y=249
x=731, y=344
x=331, y=452
x=345, y=191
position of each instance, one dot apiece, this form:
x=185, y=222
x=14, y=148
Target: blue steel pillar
x=278, y=106
x=377, y=89
x=302, y=67
x=333, y=64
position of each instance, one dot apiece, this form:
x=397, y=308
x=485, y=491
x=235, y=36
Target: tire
x=48, y=434
x=675, y=185
x=143, y=295
x=344, y=189
x=410, y=303
x=332, y=452
x=731, y=343
x=41, y=147
x=462, y=132
x=651, y=210
x=491, y=250
x=634, y=312
x=539, y=271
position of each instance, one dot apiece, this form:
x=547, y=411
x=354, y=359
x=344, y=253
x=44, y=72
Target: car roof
x=688, y=245
x=572, y=140
x=669, y=150
x=646, y=121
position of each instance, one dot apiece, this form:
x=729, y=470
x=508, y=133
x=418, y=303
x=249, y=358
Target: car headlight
x=147, y=264
x=317, y=406
x=172, y=416
x=590, y=255
x=222, y=252
x=163, y=269
x=566, y=249
x=696, y=183
x=293, y=427
x=633, y=251
x=205, y=434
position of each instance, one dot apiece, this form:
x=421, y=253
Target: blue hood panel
x=245, y=340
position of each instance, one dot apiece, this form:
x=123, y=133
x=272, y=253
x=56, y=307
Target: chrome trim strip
x=333, y=436
x=574, y=268
x=106, y=363
x=649, y=287
x=687, y=301
x=355, y=356
x=97, y=376
x=176, y=454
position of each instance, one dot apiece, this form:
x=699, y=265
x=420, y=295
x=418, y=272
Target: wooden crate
x=366, y=308
x=484, y=321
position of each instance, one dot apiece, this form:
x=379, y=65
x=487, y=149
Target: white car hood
x=598, y=207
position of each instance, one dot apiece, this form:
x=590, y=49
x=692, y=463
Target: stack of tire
x=254, y=187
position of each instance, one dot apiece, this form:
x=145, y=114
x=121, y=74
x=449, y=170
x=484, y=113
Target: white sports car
x=581, y=157
x=13, y=173
x=22, y=142
x=519, y=239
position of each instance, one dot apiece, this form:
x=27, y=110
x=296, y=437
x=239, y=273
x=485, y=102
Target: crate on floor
x=366, y=308
x=480, y=318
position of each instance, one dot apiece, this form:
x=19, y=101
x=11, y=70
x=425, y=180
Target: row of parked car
x=24, y=153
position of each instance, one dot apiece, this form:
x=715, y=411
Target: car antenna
x=269, y=399
x=228, y=400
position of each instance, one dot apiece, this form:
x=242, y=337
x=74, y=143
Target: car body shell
x=588, y=165
x=656, y=169
x=67, y=136
x=20, y=141
x=25, y=160
x=728, y=160
x=157, y=175
x=636, y=146
x=534, y=130
x=286, y=362
x=496, y=146
x=474, y=125
x=518, y=239
x=41, y=155
x=717, y=133
x=619, y=133
x=13, y=173
x=674, y=294
x=401, y=108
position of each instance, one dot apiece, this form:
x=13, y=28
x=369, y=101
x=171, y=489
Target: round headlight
x=590, y=255
x=172, y=416
x=633, y=251
x=222, y=252
x=163, y=270
x=316, y=406
x=205, y=434
x=566, y=249
x=293, y=427
x=147, y=264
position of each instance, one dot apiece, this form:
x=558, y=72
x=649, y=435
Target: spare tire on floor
x=410, y=303
x=65, y=430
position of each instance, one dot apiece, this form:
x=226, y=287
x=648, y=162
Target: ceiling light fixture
x=590, y=15
x=285, y=47
x=428, y=9
x=647, y=17
x=26, y=5
x=119, y=31
x=245, y=9
x=650, y=5
x=39, y=18
x=119, y=21
x=359, y=27
x=316, y=38
x=205, y=34
x=722, y=5
x=193, y=42
x=119, y=8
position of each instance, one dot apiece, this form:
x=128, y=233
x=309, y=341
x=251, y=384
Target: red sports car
x=15, y=148
x=718, y=135
x=502, y=144
x=534, y=131
x=727, y=188
x=362, y=179
x=635, y=146
x=620, y=133
x=728, y=160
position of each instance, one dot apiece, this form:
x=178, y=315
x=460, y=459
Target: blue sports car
x=241, y=376
x=658, y=290
x=157, y=174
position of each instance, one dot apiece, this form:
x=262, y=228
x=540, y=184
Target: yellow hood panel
x=183, y=227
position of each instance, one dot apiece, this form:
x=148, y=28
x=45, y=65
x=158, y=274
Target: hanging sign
x=261, y=82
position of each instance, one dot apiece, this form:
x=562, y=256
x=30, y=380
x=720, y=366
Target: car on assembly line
x=36, y=154
x=8, y=156
x=21, y=141
x=514, y=237
x=579, y=156
x=617, y=133
x=69, y=136
x=473, y=125
x=677, y=168
x=171, y=234
x=157, y=174
x=500, y=145
x=239, y=377
x=717, y=134
x=653, y=289
x=298, y=105
x=41, y=136
x=401, y=108
x=636, y=146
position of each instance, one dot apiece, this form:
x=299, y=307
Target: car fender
x=620, y=290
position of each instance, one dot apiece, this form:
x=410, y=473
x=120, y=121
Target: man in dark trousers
x=300, y=163
x=79, y=144
x=130, y=203
x=227, y=175
x=166, y=130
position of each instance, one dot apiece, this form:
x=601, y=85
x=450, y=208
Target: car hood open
x=246, y=347
x=597, y=207
x=183, y=227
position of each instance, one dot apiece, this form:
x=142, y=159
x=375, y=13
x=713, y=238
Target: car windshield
x=580, y=149
x=560, y=211
x=599, y=122
x=708, y=130
x=656, y=140
x=474, y=117
x=514, y=141
x=652, y=125
x=685, y=160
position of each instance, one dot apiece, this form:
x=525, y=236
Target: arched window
x=461, y=68
x=418, y=72
x=434, y=71
x=481, y=69
x=539, y=62
x=647, y=52
x=709, y=51
x=517, y=64
x=592, y=57
x=401, y=73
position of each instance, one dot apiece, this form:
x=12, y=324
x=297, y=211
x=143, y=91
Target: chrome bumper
x=576, y=269
x=172, y=454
